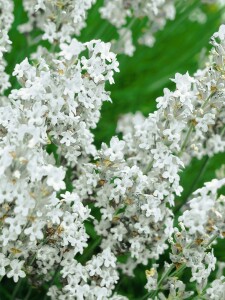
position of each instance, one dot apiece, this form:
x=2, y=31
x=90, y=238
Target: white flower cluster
x=198, y=14
x=6, y=19
x=95, y=280
x=58, y=103
x=190, y=246
x=211, y=210
x=118, y=12
x=61, y=96
x=58, y=19
x=46, y=143
x=123, y=13
x=135, y=180
x=216, y=290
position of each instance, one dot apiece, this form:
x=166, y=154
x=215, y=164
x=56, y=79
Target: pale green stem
x=186, y=140
x=223, y=130
x=207, y=100
x=213, y=238
x=192, y=126
x=178, y=271
x=17, y=287
x=149, y=166
x=203, y=292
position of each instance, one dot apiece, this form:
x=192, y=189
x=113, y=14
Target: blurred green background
x=141, y=80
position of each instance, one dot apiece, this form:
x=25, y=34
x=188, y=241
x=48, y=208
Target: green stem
x=203, y=168
x=90, y=250
x=213, y=238
x=186, y=140
x=28, y=293
x=207, y=100
x=194, y=184
x=203, y=292
x=178, y=271
x=164, y=276
x=17, y=287
x=222, y=131
x=149, y=166
x=192, y=126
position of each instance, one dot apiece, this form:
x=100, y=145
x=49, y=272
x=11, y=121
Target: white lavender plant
x=6, y=19
x=132, y=182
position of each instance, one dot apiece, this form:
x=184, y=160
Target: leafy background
x=141, y=80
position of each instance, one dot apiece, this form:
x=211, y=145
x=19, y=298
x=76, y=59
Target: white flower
x=67, y=18
x=16, y=270
x=216, y=290
x=4, y=261
x=35, y=231
x=71, y=50
x=55, y=177
x=115, y=152
x=220, y=33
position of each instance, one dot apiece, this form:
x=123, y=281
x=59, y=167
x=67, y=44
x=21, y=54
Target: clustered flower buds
x=6, y=19
x=190, y=247
x=50, y=169
x=58, y=19
x=135, y=180
x=58, y=104
x=155, y=13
